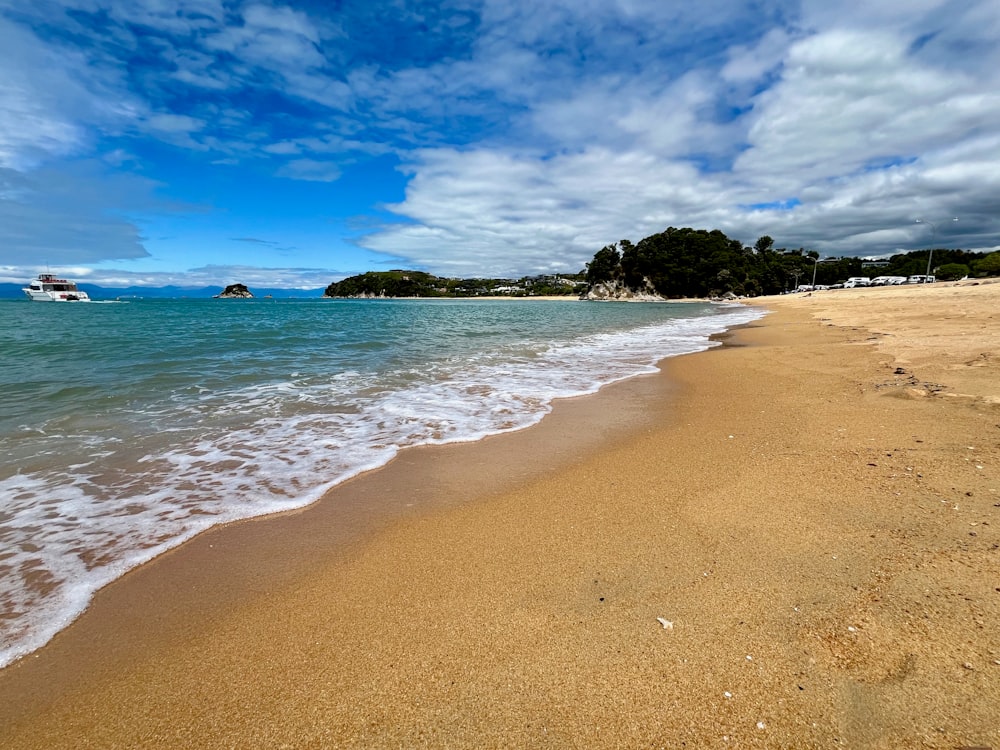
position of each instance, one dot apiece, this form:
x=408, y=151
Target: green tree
x=605, y=265
x=988, y=266
x=952, y=271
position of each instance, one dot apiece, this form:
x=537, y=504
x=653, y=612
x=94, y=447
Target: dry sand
x=814, y=510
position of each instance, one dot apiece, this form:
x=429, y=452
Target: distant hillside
x=389, y=284
x=13, y=291
x=401, y=283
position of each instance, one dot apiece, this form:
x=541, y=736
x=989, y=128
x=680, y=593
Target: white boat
x=48, y=288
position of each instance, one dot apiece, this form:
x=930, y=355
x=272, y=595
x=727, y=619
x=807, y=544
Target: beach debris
x=728, y=694
x=749, y=658
x=761, y=725
x=852, y=629
x=667, y=624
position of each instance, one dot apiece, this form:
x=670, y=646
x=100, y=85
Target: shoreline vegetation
x=678, y=264
x=790, y=540
x=418, y=284
x=708, y=264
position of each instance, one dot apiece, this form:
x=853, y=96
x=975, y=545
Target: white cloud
x=844, y=99
x=281, y=19
x=859, y=125
x=172, y=16
x=278, y=39
x=752, y=63
x=256, y=276
x=311, y=170
x=170, y=123
x=335, y=144
x=48, y=102
x=284, y=148
x=195, y=68
x=489, y=212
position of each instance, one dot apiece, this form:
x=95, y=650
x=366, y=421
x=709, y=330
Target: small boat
x=48, y=288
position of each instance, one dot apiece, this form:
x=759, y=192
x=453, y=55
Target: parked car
x=920, y=279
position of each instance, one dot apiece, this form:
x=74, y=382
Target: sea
x=127, y=427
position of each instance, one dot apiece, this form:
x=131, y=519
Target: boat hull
x=47, y=288
x=38, y=296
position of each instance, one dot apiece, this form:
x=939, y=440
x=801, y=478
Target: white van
x=857, y=281
x=921, y=279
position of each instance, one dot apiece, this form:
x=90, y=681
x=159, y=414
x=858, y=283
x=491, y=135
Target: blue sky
x=207, y=142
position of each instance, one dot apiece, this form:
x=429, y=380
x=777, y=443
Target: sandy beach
x=792, y=540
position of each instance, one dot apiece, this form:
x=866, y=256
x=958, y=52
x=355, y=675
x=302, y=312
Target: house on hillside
x=866, y=263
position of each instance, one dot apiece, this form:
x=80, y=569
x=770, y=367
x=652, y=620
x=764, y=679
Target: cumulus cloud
x=487, y=211
x=853, y=135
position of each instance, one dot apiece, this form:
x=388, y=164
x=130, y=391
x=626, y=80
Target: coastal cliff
x=618, y=291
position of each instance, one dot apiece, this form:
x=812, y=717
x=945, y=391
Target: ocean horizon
x=129, y=427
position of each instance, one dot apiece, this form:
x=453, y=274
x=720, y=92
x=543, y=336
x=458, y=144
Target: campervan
x=857, y=281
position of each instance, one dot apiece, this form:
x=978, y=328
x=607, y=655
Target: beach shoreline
x=801, y=514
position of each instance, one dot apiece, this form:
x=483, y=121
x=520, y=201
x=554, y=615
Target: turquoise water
x=126, y=428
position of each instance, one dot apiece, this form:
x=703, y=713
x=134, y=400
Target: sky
x=208, y=142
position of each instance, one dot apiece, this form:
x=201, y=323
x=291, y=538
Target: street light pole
x=930, y=253
x=815, y=266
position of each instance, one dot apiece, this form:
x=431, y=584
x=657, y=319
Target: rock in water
x=235, y=291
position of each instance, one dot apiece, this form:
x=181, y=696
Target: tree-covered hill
x=689, y=262
x=685, y=263
x=388, y=284
x=420, y=284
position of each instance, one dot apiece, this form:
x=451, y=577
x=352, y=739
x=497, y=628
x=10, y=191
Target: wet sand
x=790, y=541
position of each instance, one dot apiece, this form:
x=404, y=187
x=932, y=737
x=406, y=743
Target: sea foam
x=96, y=494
